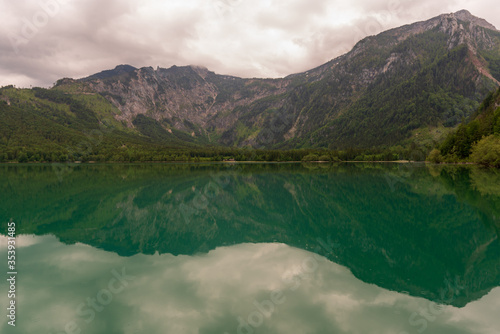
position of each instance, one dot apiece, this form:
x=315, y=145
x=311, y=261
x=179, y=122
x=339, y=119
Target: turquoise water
x=254, y=248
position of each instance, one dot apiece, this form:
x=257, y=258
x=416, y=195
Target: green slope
x=477, y=140
x=51, y=125
x=376, y=95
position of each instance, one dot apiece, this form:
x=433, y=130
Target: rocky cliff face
x=179, y=95
x=465, y=15
x=427, y=73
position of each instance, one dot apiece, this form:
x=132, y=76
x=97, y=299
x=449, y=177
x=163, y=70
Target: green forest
x=49, y=125
x=476, y=141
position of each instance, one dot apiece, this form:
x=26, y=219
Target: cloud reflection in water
x=228, y=290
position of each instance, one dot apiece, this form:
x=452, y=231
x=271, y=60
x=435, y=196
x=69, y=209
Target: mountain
x=426, y=75
x=190, y=99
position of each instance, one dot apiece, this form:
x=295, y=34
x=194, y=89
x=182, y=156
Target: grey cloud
x=292, y=16
x=251, y=39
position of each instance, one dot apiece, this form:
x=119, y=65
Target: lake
x=252, y=248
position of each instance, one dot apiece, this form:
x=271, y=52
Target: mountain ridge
x=208, y=114
x=463, y=15
x=429, y=74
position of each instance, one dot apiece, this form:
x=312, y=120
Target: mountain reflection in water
x=429, y=231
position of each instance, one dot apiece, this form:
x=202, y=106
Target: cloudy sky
x=44, y=40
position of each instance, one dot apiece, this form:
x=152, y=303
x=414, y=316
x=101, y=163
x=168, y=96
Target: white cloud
x=263, y=38
x=206, y=293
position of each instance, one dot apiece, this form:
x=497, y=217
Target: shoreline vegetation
x=238, y=162
x=209, y=154
x=488, y=156
x=482, y=150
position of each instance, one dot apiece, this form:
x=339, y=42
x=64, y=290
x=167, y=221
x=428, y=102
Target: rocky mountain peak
x=465, y=15
x=465, y=29
x=117, y=71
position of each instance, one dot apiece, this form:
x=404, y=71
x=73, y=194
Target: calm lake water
x=252, y=248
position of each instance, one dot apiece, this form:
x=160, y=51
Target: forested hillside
x=477, y=140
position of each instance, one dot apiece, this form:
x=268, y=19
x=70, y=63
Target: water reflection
x=246, y=288
x=425, y=230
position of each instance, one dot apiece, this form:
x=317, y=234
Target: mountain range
x=390, y=89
